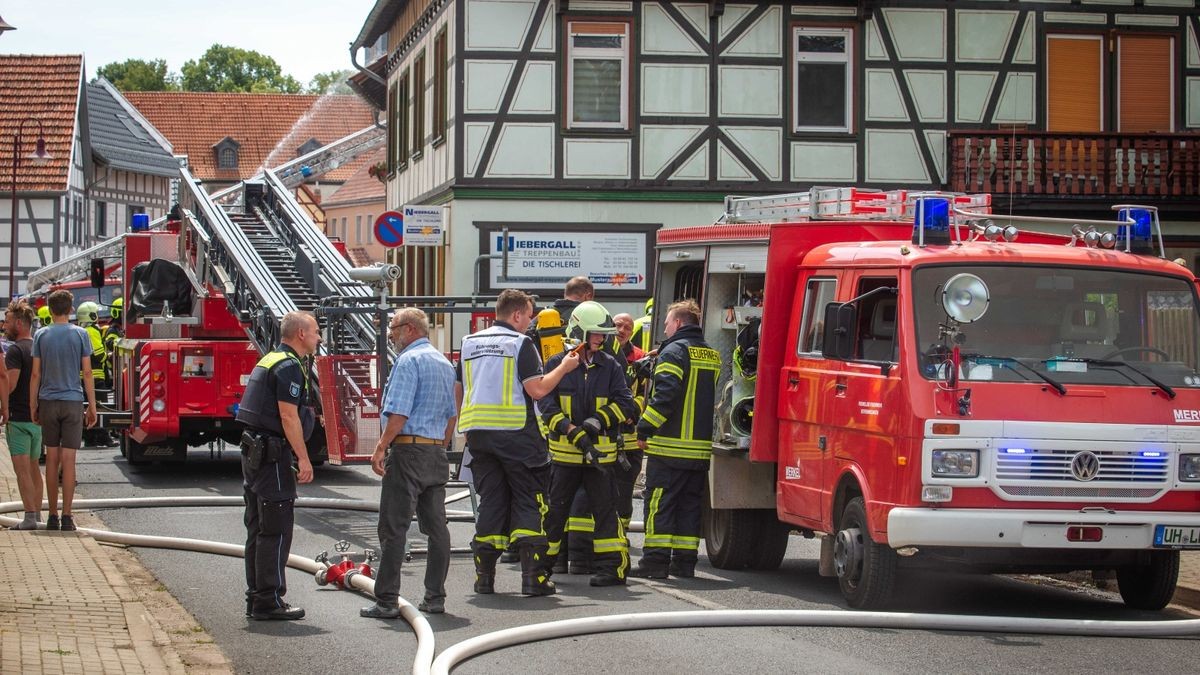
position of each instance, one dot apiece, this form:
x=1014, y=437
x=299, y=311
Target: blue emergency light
x=1138, y=237
x=306, y=171
x=931, y=221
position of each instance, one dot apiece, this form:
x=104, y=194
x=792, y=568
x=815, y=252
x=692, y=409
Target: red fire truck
x=922, y=384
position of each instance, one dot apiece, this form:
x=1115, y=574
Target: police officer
x=676, y=432
x=499, y=378
x=584, y=415
x=278, y=419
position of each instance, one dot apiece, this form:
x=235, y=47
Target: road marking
x=684, y=595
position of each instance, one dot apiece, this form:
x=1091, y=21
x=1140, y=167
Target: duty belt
x=416, y=440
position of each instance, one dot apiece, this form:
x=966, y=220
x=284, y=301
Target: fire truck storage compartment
x=156, y=283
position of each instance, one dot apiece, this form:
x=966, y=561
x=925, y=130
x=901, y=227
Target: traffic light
x=97, y=272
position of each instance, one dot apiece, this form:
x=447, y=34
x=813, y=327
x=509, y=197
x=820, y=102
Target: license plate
x=1176, y=536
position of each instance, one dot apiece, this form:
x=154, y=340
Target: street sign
x=389, y=229
x=424, y=225
x=613, y=261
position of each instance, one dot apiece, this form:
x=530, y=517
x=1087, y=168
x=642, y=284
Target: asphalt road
x=334, y=639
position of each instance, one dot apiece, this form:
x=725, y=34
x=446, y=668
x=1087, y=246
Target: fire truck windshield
x=1063, y=325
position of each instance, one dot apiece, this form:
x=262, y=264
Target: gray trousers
x=414, y=480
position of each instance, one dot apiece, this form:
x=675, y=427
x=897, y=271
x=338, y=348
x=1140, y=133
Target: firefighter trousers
x=269, y=495
x=512, y=504
x=580, y=524
x=672, y=503
x=610, y=550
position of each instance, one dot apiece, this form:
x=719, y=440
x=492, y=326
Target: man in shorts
x=24, y=437
x=61, y=351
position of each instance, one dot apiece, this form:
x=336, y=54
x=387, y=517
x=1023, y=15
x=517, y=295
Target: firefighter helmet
x=650, y=307
x=115, y=309
x=87, y=313
x=44, y=315
x=589, y=317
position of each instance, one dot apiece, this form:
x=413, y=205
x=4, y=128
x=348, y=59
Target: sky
x=305, y=37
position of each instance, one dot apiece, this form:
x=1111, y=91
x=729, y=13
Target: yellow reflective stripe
x=685, y=543
x=581, y=524
x=669, y=368
x=555, y=419
x=657, y=541
x=468, y=380
x=604, y=417
x=554, y=547
x=652, y=538
x=521, y=534
x=668, y=448
x=510, y=374
x=687, y=424
x=609, y=546
x=655, y=418
x=496, y=540
x=566, y=404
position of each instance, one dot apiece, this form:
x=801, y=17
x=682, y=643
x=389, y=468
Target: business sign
x=389, y=229
x=614, y=261
x=424, y=225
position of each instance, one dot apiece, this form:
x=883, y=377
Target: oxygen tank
x=550, y=331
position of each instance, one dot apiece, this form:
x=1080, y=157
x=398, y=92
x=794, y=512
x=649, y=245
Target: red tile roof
x=269, y=128
x=47, y=89
x=361, y=187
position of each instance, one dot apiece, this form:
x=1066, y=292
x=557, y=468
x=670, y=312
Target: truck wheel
x=866, y=571
x=1150, y=586
x=731, y=537
x=772, y=543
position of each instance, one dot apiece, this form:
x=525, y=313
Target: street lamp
x=38, y=157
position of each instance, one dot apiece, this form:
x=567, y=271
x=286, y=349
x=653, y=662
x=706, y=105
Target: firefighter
x=643, y=328
x=584, y=415
x=676, y=432
x=112, y=333
x=578, y=289
x=278, y=418
x=499, y=377
x=86, y=316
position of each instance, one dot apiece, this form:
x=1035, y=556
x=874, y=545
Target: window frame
x=570, y=53
x=221, y=154
x=1172, y=76
x=813, y=310
x=402, y=119
x=849, y=59
x=441, y=77
x=393, y=124
x=417, y=123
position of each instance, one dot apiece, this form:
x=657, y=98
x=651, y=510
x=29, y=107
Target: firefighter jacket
x=595, y=390
x=493, y=394
x=99, y=353
x=643, y=332
x=278, y=376
x=678, y=420
x=111, y=335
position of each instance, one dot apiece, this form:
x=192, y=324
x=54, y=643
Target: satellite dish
x=965, y=298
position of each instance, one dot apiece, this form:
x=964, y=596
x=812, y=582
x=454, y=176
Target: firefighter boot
x=535, y=577
x=682, y=569
x=485, y=572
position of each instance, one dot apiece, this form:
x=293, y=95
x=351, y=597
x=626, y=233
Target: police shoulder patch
x=294, y=390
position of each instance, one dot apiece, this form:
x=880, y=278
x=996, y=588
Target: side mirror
x=840, y=322
x=96, y=273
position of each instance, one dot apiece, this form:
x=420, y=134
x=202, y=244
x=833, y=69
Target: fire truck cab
x=925, y=384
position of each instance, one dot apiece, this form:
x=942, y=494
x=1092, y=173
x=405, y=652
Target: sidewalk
x=66, y=605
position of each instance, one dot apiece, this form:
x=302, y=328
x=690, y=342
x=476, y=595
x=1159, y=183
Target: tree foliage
x=140, y=75
x=333, y=82
x=232, y=69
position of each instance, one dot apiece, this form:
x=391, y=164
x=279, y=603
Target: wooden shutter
x=1145, y=76
x=1074, y=81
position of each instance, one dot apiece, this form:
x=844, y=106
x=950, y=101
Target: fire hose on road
x=424, y=661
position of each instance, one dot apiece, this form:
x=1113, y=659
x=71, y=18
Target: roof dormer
x=226, y=153
x=309, y=146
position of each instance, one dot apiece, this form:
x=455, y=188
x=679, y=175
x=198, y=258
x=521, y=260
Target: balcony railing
x=1033, y=164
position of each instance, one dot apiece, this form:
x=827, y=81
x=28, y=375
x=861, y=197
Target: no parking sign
x=389, y=229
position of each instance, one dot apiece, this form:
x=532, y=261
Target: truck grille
x=1115, y=466
x=1079, y=492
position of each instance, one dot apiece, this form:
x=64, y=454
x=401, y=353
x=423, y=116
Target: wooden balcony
x=1031, y=166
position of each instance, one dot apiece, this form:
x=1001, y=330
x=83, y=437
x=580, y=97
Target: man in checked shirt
x=418, y=413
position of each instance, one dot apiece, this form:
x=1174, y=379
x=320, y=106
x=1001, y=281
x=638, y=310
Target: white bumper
x=1026, y=529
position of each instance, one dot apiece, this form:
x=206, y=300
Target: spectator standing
x=56, y=401
x=24, y=437
x=419, y=412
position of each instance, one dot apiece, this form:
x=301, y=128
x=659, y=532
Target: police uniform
x=268, y=480
x=596, y=390
x=677, y=426
x=509, y=460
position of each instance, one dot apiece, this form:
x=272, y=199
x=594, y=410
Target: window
x=369, y=235
x=402, y=122
x=823, y=81
x=597, y=75
x=358, y=234
x=228, y=159
x=440, y=95
x=817, y=294
x=1146, y=76
x=423, y=270
x=876, y=337
x=418, y=111
x=1074, y=83
x=393, y=104
x=101, y=219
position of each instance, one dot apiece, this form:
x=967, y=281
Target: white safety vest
x=493, y=396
